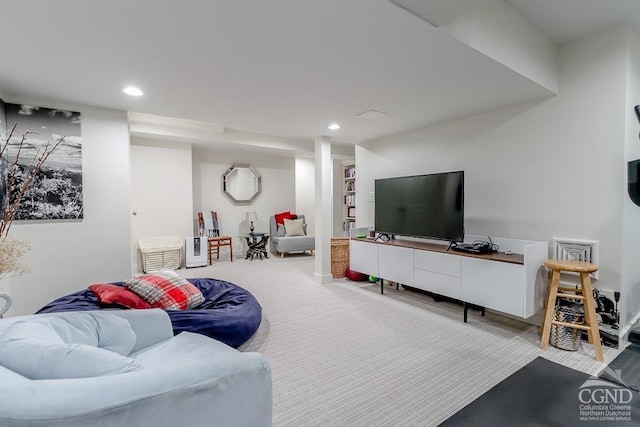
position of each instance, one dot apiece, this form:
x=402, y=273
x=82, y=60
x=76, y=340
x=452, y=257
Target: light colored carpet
x=344, y=355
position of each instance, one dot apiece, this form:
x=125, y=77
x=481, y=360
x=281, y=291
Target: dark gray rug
x=544, y=393
x=625, y=369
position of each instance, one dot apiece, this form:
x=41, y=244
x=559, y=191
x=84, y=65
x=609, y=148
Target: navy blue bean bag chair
x=229, y=313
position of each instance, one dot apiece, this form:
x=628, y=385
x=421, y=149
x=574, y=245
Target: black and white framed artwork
x=56, y=192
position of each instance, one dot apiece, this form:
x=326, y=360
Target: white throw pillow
x=39, y=360
x=34, y=330
x=294, y=227
x=114, y=333
x=102, y=330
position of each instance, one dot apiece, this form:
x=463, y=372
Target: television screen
x=429, y=206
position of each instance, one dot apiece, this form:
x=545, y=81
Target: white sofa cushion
x=191, y=356
x=36, y=330
x=39, y=360
x=102, y=330
x=56, y=348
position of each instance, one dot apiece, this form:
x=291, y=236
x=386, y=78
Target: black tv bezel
x=391, y=233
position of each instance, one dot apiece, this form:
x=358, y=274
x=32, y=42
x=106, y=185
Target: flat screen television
x=428, y=206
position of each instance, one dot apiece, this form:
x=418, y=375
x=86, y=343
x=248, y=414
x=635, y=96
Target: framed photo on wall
x=56, y=192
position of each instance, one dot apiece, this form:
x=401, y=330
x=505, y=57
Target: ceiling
x=284, y=67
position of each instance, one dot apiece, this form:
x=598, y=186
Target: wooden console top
x=435, y=247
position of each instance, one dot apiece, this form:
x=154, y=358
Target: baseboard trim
x=623, y=336
x=323, y=279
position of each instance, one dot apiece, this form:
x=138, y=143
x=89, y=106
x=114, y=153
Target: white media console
x=514, y=283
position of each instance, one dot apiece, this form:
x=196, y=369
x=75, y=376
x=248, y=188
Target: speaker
x=633, y=184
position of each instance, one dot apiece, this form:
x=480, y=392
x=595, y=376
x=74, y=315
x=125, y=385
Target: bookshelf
x=349, y=188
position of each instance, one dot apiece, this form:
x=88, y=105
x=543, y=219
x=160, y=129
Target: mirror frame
x=225, y=185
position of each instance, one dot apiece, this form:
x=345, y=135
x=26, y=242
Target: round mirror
x=242, y=183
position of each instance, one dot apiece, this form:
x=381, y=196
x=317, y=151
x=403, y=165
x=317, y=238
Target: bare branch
x=14, y=191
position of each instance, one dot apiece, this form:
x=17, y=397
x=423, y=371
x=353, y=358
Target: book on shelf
x=350, y=172
x=348, y=225
x=350, y=199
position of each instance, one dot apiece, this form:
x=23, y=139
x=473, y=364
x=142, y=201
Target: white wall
x=496, y=29
x=305, y=190
x=161, y=192
x=630, y=287
x=67, y=256
x=534, y=171
x=278, y=188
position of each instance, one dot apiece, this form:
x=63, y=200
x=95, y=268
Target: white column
x=324, y=168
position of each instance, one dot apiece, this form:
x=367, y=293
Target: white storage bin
x=161, y=253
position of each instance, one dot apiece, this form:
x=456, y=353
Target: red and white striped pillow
x=166, y=289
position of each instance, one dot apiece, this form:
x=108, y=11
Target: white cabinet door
x=493, y=284
x=396, y=264
x=437, y=283
x=363, y=257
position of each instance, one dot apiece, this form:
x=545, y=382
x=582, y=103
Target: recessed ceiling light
x=334, y=126
x=133, y=91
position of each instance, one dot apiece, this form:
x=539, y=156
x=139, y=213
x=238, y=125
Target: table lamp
x=251, y=217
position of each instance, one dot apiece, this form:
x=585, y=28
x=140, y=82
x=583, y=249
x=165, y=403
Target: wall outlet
x=372, y=197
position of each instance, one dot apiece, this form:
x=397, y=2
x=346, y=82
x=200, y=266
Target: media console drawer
x=438, y=262
x=437, y=283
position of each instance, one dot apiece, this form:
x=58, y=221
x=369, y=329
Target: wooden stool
x=584, y=294
x=215, y=243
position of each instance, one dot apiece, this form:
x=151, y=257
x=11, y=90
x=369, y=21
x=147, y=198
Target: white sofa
x=156, y=380
x=281, y=244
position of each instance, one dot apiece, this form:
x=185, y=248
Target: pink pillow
x=112, y=294
x=166, y=289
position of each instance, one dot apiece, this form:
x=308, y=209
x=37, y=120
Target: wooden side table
x=215, y=243
x=583, y=294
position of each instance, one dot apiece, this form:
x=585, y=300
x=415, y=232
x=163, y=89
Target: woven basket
x=562, y=336
x=339, y=256
x=160, y=253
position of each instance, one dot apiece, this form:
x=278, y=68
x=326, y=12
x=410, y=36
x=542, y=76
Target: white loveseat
x=125, y=368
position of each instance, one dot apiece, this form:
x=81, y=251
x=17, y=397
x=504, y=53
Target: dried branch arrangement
x=17, y=179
